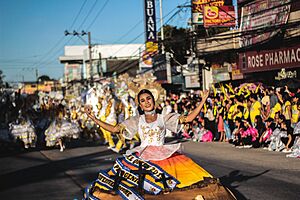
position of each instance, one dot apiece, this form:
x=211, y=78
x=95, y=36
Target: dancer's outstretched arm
x=197, y=110
x=106, y=126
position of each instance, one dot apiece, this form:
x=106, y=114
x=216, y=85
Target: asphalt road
x=50, y=174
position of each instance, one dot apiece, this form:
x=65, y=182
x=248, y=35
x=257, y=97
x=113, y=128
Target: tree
x=1, y=79
x=176, y=41
x=44, y=78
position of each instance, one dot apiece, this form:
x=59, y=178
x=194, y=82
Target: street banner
x=150, y=27
x=145, y=61
x=256, y=61
x=162, y=68
x=236, y=73
x=259, y=15
x=219, y=16
x=220, y=73
x=198, y=6
x=192, y=81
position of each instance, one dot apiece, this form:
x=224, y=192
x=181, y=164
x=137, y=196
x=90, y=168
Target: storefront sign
x=150, y=26
x=220, y=73
x=222, y=16
x=192, y=81
x=198, y=7
x=260, y=14
x=283, y=74
x=236, y=73
x=269, y=60
x=145, y=60
x=161, y=68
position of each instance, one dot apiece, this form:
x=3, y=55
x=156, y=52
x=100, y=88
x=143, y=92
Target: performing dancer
x=153, y=167
x=108, y=115
x=61, y=129
x=126, y=109
x=23, y=130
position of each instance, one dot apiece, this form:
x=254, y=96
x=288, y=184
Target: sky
x=32, y=31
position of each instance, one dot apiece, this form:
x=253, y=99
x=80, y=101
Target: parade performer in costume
x=127, y=108
x=61, y=128
x=108, y=115
x=23, y=130
x=153, y=167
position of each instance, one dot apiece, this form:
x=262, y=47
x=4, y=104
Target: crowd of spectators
x=248, y=116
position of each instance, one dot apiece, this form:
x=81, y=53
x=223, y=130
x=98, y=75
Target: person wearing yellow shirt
x=255, y=108
x=231, y=111
x=246, y=110
x=275, y=109
x=295, y=110
x=238, y=113
x=287, y=111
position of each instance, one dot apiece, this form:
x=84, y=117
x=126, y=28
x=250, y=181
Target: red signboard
x=255, y=61
x=221, y=16
x=197, y=9
x=260, y=14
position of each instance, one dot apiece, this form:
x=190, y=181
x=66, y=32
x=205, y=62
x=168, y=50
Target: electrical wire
x=97, y=15
x=88, y=14
x=75, y=19
x=121, y=66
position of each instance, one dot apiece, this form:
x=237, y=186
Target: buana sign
x=150, y=21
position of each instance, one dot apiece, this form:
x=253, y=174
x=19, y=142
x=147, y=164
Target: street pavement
x=51, y=174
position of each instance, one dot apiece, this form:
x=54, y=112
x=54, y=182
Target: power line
x=45, y=55
x=127, y=33
x=55, y=53
x=61, y=39
x=97, y=15
x=75, y=19
x=166, y=22
x=89, y=12
x=144, y=31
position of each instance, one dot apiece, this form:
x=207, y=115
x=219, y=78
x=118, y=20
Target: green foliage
x=1, y=78
x=44, y=78
x=176, y=41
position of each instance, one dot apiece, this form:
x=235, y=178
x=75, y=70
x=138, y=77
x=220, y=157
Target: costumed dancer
x=60, y=129
x=296, y=146
x=127, y=109
x=92, y=98
x=108, y=115
x=23, y=130
x=153, y=167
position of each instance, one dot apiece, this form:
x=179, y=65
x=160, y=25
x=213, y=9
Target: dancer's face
x=146, y=102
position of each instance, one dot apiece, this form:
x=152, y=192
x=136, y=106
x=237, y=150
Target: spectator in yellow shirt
x=255, y=108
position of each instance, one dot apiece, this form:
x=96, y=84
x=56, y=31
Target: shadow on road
x=11, y=149
x=53, y=170
x=237, y=176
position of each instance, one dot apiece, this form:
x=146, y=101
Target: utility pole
x=161, y=27
x=100, y=72
x=90, y=56
x=75, y=33
x=37, y=79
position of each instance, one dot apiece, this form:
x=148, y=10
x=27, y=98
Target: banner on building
x=241, y=1
x=219, y=73
x=259, y=15
x=145, y=59
x=221, y=16
x=150, y=27
x=236, y=73
x=192, y=81
x=255, y=61
x=198, y=6
x=162, y=68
